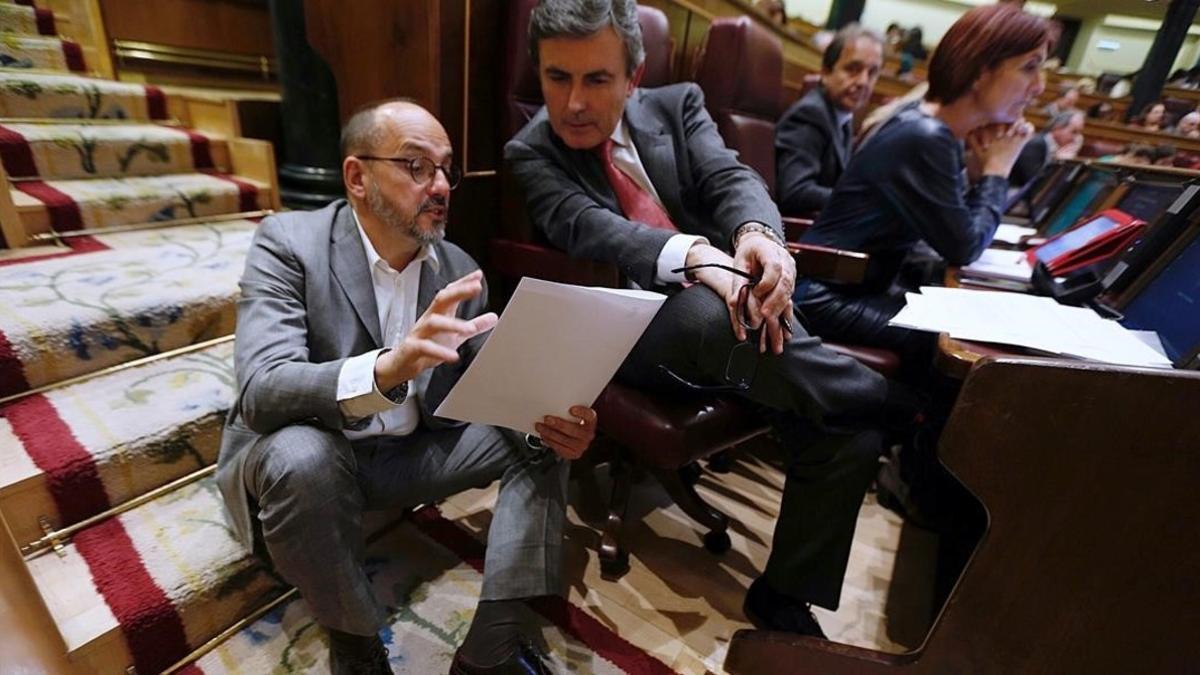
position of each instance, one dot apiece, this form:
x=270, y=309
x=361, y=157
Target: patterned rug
x=105, y=440
x=43, y=53
x=154, y=291
x=64, y=151
x=26, y=19
x=50, y=95
x=428, y=572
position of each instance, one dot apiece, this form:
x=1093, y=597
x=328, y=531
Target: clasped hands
x=435, y=339
x=992, y=149
x=768, y=305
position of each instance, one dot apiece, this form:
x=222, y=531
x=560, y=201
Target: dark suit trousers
x=812, y=390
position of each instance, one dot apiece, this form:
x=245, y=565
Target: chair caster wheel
x=717, y=541
x=611, y=570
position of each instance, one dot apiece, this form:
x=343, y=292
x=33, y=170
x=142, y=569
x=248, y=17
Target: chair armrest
x=830, y=264
x=794, y=227
x=516, y=259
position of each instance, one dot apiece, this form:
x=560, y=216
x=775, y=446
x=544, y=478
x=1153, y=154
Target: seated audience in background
x=1189, y=125
x=892, y=39
x=1135, y=153
x=354, y=322
x=1065, y=103
x=1101, y=110
x=912, y=50
x=908, y=184
x=641, y=179
x=1153, y=117
x=1062, y=139
x=1164, y=155
x=815, y=137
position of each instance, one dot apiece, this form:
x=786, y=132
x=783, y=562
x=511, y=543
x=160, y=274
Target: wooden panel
x=235, y=26
x=379, y=50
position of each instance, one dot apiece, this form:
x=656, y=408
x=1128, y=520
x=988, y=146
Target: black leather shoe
x=769, y=609
x=528, y=659
x=351, y=654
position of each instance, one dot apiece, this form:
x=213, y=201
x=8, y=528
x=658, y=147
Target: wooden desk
x=1088, y=563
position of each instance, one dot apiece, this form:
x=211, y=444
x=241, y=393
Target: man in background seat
x=641, y=179
x=815, y=137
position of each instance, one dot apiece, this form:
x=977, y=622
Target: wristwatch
x=397, y=394
x=752, y=226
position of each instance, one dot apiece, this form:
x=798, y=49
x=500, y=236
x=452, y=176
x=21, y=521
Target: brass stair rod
x=153, y=225
x=56, y=539
x=117, y=368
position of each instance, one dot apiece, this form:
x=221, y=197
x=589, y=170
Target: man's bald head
x=373, y=124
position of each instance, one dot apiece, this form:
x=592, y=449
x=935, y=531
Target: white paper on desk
x=1025, y=320
x=1001, y=264
x=1008, y=233
x=556, y=346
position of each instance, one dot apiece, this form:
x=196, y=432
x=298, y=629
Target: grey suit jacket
x=307, y=304
x=810, y=155
x=703, y=186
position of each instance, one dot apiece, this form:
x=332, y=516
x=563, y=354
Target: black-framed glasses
x=422, y=169
x=742, y=364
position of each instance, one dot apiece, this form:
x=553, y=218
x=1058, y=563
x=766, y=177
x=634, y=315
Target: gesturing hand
x=569, y=439
x=771, y=301
x=436, y=336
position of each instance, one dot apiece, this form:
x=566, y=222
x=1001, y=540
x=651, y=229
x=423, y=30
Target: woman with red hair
x=912, y=182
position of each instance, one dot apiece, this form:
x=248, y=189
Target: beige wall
x=812, y=11
x=1132, y=46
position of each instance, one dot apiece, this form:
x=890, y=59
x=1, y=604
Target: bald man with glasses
x=354, y=322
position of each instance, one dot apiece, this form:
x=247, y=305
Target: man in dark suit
x=1062, y=139
x=815, y=136
x=354, y=322
x=641, y=179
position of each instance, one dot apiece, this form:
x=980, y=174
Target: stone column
x=1149, y=84
x=310, y=171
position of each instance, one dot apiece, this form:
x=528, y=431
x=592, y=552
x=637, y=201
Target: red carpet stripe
x=64, y=212
x=74, y=55
x=77, y=245
x=16, y=154
x=201, y=150
x=153, y=628
x=12, y=372
x=45, y=21
x=247, y=193
x=70, y=469
x=156, y=103
x=585, y=628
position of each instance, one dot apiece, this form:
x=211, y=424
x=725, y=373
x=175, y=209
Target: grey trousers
x=311, y=487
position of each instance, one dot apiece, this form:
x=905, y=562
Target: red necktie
x=637, y=203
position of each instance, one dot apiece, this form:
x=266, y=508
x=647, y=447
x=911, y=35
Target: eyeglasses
x=743, y=357
x=422, y=169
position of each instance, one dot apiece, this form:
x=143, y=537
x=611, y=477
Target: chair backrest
x=740, y=69
x=522, y=90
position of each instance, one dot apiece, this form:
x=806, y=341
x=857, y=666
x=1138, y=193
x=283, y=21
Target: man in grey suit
x=641, y=179
x=814, y=138
x=354, y=322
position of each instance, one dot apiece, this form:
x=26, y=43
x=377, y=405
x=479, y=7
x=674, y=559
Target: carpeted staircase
x=116, y=372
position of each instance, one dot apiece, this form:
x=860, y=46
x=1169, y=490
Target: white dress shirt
x=674, y=253
x=358, y=394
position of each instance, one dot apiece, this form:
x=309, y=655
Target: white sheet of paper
x=1000, y=264
x=1025, y=320
x=1012, y=234
x=556, y=346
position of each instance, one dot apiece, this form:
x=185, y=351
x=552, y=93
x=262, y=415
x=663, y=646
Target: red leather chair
x=663, y=435
x=740, y=69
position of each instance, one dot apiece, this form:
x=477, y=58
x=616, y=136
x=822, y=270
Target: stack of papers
x=999, y=264
x=1025, y=321
x=1008, y=233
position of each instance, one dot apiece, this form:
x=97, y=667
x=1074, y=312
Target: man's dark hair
x=849, y=34
x=582, y=18
x=361, y=134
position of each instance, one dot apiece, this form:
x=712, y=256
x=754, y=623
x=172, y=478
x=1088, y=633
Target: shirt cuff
x=358, y=395
x=673, y=256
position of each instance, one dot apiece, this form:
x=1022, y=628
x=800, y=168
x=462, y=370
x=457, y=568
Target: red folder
x=1100, y=237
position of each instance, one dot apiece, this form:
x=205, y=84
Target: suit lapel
x=431, y=282
x=841, y=148
x=656, y=150
x=348, y=263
